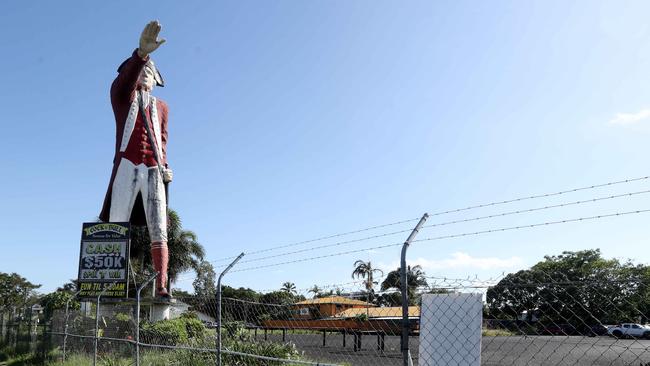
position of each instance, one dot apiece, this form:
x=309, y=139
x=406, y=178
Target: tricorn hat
x=157, y=76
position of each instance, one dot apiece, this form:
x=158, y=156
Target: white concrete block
x=450, y=330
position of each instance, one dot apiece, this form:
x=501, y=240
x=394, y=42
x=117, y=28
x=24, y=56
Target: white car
x=631, y=330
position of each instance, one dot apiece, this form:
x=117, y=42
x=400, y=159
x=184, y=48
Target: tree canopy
x=581, y=288
x=415, y=278
x=204, y=283
x=15, y=290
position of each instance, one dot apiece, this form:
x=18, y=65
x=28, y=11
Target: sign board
x=37, y=308
x=104, y=259
x=450, y=329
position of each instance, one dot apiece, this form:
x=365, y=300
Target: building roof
x=387, y=312
x=334, y=300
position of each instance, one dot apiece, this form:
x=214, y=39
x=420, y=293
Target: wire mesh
x=545, y=319
x=532, y=317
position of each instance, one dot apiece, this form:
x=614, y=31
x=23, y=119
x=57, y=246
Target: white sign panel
x=450, y=330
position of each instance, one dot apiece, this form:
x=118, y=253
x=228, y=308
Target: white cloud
x=463, y=260
x=630, y=118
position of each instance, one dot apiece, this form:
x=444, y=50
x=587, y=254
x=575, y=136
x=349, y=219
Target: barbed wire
x=547, y=223
x=541, y=195
x=319, y=239
x=516, y=212
x=322, y=247
x=323, y=287
x=348, y=288
x=502, y=214
x=495, y=203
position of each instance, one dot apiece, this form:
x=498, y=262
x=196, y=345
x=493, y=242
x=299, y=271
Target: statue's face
x=147, y=79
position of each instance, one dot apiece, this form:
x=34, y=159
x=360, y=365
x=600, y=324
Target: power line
x=548, y=223
x=545, y=195
x=508, y=213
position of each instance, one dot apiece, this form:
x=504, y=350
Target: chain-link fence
x=23, y=332
x=512, y=321
x=567, y=310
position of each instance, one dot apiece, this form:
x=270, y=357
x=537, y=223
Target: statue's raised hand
x=149, y=41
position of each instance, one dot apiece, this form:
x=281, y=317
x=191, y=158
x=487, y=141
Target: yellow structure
x=326, y=307
x=378, y=313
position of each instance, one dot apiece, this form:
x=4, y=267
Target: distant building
x=326, y=307
x=179, y=307
x=378, y=313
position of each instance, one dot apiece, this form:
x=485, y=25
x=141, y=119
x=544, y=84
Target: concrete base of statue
x=160, y=310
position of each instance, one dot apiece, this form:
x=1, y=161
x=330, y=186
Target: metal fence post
x=406, y=326
x=3, y=327
x=137, y=318
x=97, y=321
x=219, y=306
x=65, y=326
x=44, y=342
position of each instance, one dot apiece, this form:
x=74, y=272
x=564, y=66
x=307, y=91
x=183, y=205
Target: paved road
x=546, y=350
x=496, y=351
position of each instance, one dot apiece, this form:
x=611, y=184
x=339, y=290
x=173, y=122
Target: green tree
x=15, y=291
x=389, y=299
x=56, y=301
x=289, y=287
x=366, y=271
x=581, y=288
x=182, y=294
x=280, y=297
x=316, y=291
x=204, y=283
x=240, y=293
x=71, y=286
x=415, y=278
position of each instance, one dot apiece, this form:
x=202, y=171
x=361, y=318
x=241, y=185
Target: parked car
x=629, y=330
x=558, y=329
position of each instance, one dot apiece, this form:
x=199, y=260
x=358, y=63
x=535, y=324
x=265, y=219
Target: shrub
x=194, y=328
x=283, y=351
x=362, y=317
x=172, y=332
x=165, y=332
x=234, y=329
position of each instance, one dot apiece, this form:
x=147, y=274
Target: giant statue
x=137, y=191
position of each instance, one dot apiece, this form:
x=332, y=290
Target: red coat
x=139, y=149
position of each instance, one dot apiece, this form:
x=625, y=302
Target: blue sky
x=291, y=120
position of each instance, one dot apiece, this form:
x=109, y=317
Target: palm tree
x=415, y=277
x=316, y=291
x=289, y=287
x=364, y=270
x=185, y=252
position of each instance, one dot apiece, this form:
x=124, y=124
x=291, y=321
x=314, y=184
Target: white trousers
x=131, y=180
